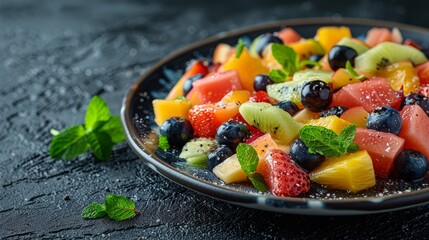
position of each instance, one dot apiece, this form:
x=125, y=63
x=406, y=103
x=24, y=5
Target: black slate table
x=55, y=55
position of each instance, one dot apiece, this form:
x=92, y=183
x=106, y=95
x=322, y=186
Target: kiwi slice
x=385, y=54
x=291, y=91
x=195, y=152
x=272, y=120
x=348, y=42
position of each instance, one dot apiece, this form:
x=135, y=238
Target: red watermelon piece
x=415, y=129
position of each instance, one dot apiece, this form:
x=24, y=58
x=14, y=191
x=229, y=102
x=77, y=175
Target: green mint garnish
x=163, y=143
x=99, y=133
x=352, y=72
x=94, y=210
x=115, y=207
x=289, y=60
x=248, y=159
x=181, y=98
x=239, y=48
x=277, y=76
x=326, y=142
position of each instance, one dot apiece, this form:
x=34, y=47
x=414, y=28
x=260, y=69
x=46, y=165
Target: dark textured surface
x=55, y=55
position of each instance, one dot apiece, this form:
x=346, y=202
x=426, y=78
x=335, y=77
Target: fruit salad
x=284, y=113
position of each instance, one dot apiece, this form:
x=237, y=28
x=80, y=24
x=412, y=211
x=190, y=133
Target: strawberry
x=260, y=96
x=283, y=176
x=254, y=136
x=202, y=118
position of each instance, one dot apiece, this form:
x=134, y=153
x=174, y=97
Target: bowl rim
x=350, y=206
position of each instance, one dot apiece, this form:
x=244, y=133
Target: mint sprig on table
x=289, y=60
x=326, y=142
x=248, y=159
x=99, y=133
x=115, y=207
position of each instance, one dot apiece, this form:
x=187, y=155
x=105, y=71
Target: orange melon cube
x=329, y=36
x=165, y=109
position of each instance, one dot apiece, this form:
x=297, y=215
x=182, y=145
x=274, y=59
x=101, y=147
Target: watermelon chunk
x=415, y=129
x=369, y=94
x=213, y=88
x=382, y=147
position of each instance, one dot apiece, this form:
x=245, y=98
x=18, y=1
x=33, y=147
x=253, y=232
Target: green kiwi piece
x=291, y=91
x=272, y=120
x=195, y=152
x=385, y=54
x=348, y=42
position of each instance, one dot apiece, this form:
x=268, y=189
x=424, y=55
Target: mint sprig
x=352, y=72
x=326, y=142
x=248, y=159
x=289, y=60
x=99, y=133
x=239, y=48
x=115, y=207
x=163, y=143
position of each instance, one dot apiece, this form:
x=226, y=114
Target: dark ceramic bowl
x=141, y=131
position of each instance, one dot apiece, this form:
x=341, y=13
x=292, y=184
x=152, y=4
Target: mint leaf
x=277, y=76
x=94, y=210
x=247, y=157
x=163, y=143
x=286, y=57
x=113, y=127
x=119, y=208
x=239, y=48
x=326, y=142
x=352, y=72
x=69, y=143
x=258, y=182
x=101, y=145
x=322, y=141
x=97, y=112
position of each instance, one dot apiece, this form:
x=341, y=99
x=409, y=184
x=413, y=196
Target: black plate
x=137, y=119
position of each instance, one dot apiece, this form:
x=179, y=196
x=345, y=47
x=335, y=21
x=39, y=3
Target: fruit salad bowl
x=142, y=133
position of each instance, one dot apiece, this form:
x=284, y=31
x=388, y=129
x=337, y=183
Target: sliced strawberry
x=202, y=118
x=260, y=96
x=283, y=176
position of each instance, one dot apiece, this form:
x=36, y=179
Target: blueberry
x=418, y=99
x=315, y=57
x=177, y=130
x=316, y=96
x=385, y=119
x=300, y=154
x=232, y=133
x=261, y=82
x=187, y=85
x=411, y=165
x=218, y=155
x=333, y=111
x=264, y=40
x=339, y=55
x=288, y=106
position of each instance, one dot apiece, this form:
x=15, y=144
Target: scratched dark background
x=55, y=55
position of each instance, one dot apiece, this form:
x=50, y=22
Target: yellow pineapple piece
x=305, y=115
x=353, y=172
x=240, y=96
x=334, y=123
x=329, y=36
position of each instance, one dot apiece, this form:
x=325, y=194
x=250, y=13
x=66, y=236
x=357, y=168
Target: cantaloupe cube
x=334, y=123
x=165, y=109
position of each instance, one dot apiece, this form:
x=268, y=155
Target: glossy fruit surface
x=288, y=106
x=300, y=154
x=411, y=165
x=261, y=82
x=165, y=109
x=339, y=55
x=333, y=111
x=385, y=119
x=415, y=129
x=232, y=133
x=218, y=155
x=177, y=130
x=402, y=75
x=316, y=96
x=417, y=99
x=260, y=96
x=187, y=85
x=264, y=40
x=283, y=177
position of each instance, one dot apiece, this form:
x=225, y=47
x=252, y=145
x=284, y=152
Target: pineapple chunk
x=305, y=115
x=353, y=172
x=334, y=123
x=230, y=170
x=165, y=109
